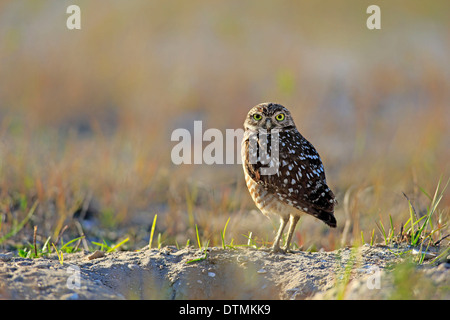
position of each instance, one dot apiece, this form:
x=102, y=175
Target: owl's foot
x=273, y=249
x=286, y=250
x=277, y=249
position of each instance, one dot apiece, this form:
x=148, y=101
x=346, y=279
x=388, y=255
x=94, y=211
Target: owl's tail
x=327, y=217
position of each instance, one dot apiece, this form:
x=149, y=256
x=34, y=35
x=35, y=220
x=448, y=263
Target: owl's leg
x=276, y=242
x=293, y=222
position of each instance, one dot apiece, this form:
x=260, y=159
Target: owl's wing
x=299, y=180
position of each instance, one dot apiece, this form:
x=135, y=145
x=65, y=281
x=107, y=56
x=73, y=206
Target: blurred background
x=86, y=115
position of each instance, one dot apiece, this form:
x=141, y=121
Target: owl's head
x=269, y=116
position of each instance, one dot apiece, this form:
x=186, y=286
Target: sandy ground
x=363, y=273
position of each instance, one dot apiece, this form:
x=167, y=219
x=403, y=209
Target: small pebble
x=97, y=254
x=73, y=296
x=211, y=274
x=242, y=258
x=133, y=266
x=5, y=257
x=261, y=271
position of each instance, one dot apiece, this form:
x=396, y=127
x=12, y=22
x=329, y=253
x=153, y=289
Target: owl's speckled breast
x=266, y=202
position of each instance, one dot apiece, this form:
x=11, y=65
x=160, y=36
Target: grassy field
x=86, y=118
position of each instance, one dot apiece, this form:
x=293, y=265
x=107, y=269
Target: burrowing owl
x=283, y=170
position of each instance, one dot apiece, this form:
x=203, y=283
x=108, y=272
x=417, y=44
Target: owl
x=283, y=171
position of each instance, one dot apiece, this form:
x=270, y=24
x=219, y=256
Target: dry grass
x=86, y=116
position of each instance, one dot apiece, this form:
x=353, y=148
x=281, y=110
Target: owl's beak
x=268, y=124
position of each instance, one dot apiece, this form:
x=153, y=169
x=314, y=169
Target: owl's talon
x=277, y=250
x=290, y=250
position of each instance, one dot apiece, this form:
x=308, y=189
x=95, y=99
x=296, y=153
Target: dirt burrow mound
x=171, y=274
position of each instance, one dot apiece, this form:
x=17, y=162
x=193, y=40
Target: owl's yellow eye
x=257, y=116
x=280, y=117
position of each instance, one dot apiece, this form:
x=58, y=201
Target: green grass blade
x=391, y=226
x=70, y=242
x=223, y=233
x=118, y=245
x=19, y=227
x=159, y=240
x=440, y=256
x=411, y=220
x=101, y=245
x=250, y=240
x=198, y=238
x=425, y=193
x=382, y=231
x=152, y=232
x=46, y=247
x=201, y=258
x=59, y=254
